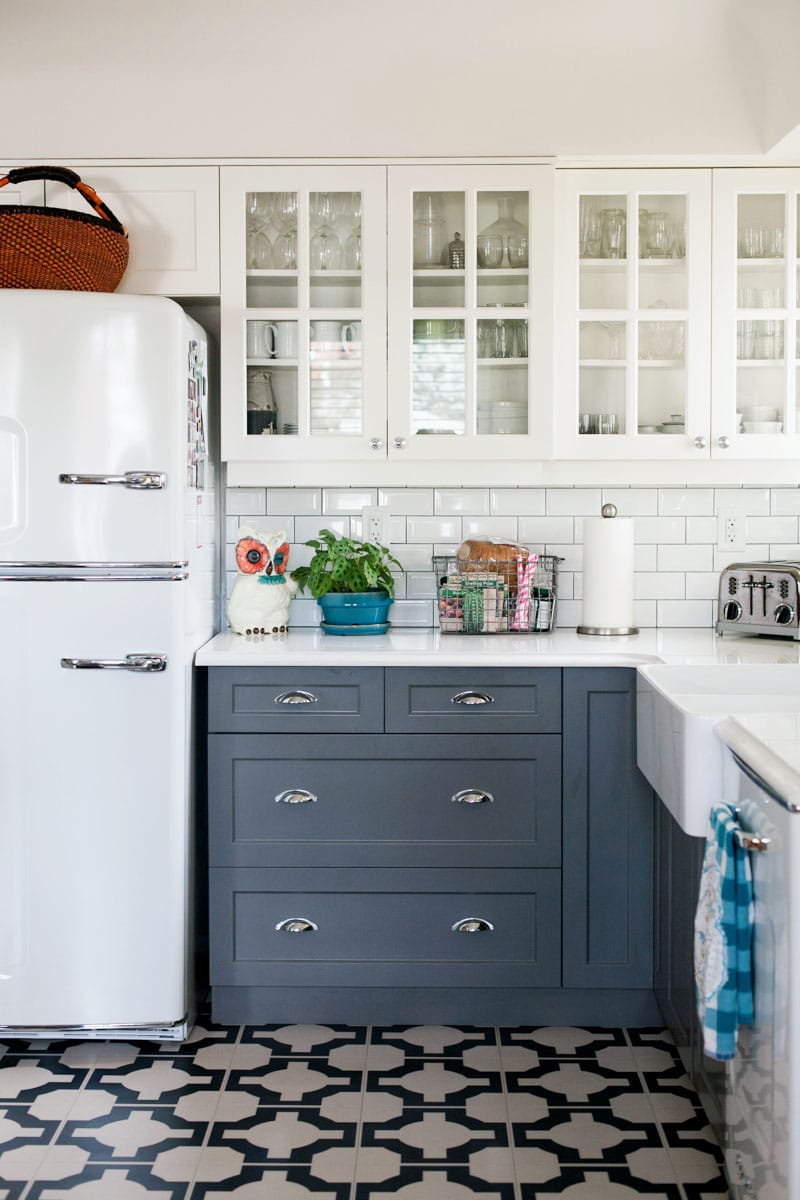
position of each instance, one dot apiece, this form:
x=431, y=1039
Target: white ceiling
x=175, y=78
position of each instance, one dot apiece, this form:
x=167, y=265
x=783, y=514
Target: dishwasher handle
x=144, y=663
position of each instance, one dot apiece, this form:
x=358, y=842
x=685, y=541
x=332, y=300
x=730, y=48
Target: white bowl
x=763, y=426
x=759, y=413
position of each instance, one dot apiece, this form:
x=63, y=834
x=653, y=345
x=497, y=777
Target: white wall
x=182, y=78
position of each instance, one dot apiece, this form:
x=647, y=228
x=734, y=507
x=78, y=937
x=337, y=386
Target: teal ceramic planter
x=356, y=612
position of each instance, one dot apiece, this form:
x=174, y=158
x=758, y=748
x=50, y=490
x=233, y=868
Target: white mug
x=282, y=339
x=258, y=339
x=337, y=336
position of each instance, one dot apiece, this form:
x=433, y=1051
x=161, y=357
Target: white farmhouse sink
x=676, y=711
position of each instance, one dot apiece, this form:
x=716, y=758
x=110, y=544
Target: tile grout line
x=209, y=1124
x=509, y=1123
x=360, y=1118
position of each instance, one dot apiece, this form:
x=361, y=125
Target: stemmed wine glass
x=286, y=220
x=325, y=249
x=259, y=214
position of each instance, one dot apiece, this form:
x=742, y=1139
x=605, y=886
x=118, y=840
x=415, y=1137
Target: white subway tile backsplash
x=407, y=502
x=245, y=501
x=433, y=529
x=689, y=614
x=771, y=529
x=573, y=502
x=347, y=500
x=452, y=501
x=302, y=502
x=676, y=559
x=632, y=502
x=660, y=530
x=517, y=502
x=686, y=502
x=786, y=501
x=490, y=527
x=546, y=529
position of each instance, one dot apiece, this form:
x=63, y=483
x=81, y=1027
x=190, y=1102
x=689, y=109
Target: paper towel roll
x=607, y=575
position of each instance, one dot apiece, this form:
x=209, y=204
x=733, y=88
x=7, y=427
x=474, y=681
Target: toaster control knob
x=732, y=610
x=784, y=614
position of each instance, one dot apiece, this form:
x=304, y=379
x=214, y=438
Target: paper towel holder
x=608, y=511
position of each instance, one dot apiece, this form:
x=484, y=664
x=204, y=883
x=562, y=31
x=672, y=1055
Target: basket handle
x=64, y=175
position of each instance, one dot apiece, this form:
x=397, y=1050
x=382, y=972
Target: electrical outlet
x=375, y=523
x=731, y=534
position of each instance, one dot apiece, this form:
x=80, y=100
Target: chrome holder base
x=598, y=631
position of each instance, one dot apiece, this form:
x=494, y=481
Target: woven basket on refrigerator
x=56, y=248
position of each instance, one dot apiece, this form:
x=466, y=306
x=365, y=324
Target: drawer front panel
x=371, y=930
x=295, y=700
x=261, y=799
x=453, y=700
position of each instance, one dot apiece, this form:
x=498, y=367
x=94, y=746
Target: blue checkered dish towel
x=723, y=931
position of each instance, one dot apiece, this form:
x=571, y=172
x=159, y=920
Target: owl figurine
x=259, y=602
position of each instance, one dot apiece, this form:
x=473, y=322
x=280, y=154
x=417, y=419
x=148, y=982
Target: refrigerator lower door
x=94, y=809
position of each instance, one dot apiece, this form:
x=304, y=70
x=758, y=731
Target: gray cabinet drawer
x=454, y=700
x=484, y=801
x=385, y=928
x=295, y=699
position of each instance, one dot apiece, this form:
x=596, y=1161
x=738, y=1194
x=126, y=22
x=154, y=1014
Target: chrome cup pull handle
x=473, y=925
x=473, y=796
x=144, y=663
x=296, y=696
x=295, y=796
x=297, y=925
x=137, y=480
x=471, y=697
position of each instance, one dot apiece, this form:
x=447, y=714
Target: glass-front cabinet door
x=633, y=310
x=756, y=394
x=469, y=303
x=303, y=321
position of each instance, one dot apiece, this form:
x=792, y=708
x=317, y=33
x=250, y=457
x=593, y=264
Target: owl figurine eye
x=280, y=559
x=251, y=556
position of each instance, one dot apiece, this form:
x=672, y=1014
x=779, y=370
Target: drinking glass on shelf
x=490, y=250
x=284, y=252
x=352, y=251
x=325, y=250
x=520, y=339
x=517, y=248
x=260, y=206
x=259, y=250
x=657, y=234
x=590, y=228
x=286, y=210
x=503, y=340
x=612, y=233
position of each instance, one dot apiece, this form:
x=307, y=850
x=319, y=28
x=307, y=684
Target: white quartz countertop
x=430, y=648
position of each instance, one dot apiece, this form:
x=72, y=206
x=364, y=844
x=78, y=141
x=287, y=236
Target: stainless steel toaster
x=760, y=598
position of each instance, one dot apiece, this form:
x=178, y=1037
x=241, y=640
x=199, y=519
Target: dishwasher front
x=762, y=1103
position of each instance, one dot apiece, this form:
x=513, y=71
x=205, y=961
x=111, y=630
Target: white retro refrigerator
x=107, y=587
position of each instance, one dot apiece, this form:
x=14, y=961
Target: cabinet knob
x=295, y=796
x=297, y=925
x=473, y=925
x=296, y=696
x=723, y=442
x=700, y=443
x=400, y=443
x=376, y=443
x=473, y=796
x=472, y=698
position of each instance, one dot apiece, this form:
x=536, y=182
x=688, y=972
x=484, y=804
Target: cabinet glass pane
x=334, y=249
x=271, y=250
x=272, y=393
x=760, y=376
x=662, y=377
x=760, y=244
x=502, y=376
x=439, y=253
x=603, y=239
x=335, y=379
x=501, y=250
x=663, y=279
x=603, y=349
x=438, y=400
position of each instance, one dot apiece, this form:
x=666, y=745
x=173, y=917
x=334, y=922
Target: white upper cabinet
x=172, y=218
x=756, y=381
x=633, y=304
x=470, y=305
x=30, y=192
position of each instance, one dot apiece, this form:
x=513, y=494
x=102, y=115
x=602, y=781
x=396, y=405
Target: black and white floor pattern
x=418, y=1113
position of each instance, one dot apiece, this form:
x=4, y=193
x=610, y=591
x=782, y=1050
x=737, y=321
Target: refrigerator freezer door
x=93, y=427
x=93, y=805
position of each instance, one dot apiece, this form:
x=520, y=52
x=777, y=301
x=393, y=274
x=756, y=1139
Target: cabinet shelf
x=750, y=363
x=439, y=272
x=495, y=363
x=620, y=264
x=760, y=264
x=269, y=273
x=272, y=362
x=503, y=272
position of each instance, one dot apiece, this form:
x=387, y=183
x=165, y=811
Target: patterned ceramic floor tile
x=587, y=1135
x=282, y=1135
x=438, y=1041
x=613, y=1183
x=435, y=1183
x=101, y=1182
x=424, y=1135
x=426, y=1081
x=580, y=1081
x=305, y=1040
x=20, y=1127
x=136, y=1133
x=154, y=1080
x=553, y=1041
x=23, y=1079
x=272, y=1183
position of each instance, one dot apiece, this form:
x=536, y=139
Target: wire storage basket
x=488, y=596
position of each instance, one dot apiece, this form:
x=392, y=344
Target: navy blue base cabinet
x=428, y=845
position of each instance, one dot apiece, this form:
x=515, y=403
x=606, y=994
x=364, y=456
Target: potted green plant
x=351, y=581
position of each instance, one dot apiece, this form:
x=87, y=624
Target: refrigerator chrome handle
x=140, y=481
x=146, y=663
